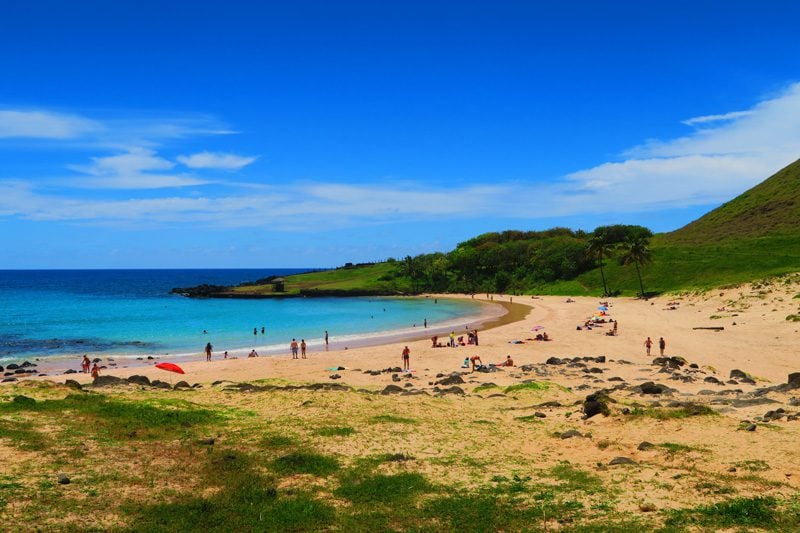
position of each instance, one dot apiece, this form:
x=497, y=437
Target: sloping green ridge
x=770, y=208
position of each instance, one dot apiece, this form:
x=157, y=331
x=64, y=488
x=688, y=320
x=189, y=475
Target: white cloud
x=45, y=125
x=215, y=160
x=131, y=170
x=716, y=118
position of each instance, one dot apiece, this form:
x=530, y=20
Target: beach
x=585, y=428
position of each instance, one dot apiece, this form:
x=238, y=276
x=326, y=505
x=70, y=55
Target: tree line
x=519, y=261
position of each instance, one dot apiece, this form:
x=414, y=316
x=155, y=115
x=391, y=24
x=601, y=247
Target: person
x=475, y=335
x=225, y=355
x=425, y=322
x=326, y=337
x=293, y=347
x=303, y=348
x=465, y=364
x=452, y=339
x=475, y=360
x=406, y=358
x=433, y=341
x=208, y=351
x=262, y=330
x=616, y=323
x=661, y=345
x=508, y=361
x=647, y=344
x=95, y=371
x=545, y=337
x=85, y=364
x=252, y=353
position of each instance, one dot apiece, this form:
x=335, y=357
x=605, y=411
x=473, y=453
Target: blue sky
x=308, y=134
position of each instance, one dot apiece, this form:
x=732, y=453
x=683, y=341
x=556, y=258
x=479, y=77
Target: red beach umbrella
x=170, y=367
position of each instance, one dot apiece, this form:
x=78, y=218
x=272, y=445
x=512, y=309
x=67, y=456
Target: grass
x=533, y=386
x=672, y=413
x=575, y=479
x=305, y=463
x=334, y=431
x=760, y=512
x=673, y=448
x=391, y=419
x=753, y=465
x=383, y=489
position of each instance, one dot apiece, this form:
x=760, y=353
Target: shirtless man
x=476, y=362
x=406, y=358
x=293, y=347
x=648, y=344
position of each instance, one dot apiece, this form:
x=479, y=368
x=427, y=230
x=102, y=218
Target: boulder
x=72, y=384
x=157, y=383
x=24, y=401
x=652, y=388
x=70, y=371
x=793, y=381
x=8, y=380
x=645, y=446
x=335, y=376
x=571, y=433
x=738, y=374
x=554, y=361
x=453, y=390
x=712, y=379
x=182, y=385
x=392, y=389
x=139, y=380
x=622, y=461
x=452, y=379
x=108, y=381
x=12, y=366
x=63, y=479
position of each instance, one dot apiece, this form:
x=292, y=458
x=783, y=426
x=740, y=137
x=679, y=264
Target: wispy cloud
x=716, y=118
x=215, y=160
x=45, y=125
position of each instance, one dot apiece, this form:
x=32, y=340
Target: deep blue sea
x=57, y=313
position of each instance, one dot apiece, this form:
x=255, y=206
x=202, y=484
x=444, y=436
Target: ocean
x=50, y=314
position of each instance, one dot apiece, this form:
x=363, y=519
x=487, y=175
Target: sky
x=244, y=134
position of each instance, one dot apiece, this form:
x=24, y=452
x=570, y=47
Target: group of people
x=472, y=339
x=662, y=345
x=86, y=365
x=295, y=348
x=302, y=347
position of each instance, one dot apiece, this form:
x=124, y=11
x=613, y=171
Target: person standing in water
x=208, y=351
x=326, y=337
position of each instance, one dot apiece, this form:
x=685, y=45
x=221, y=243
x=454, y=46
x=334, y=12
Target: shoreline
x=492, y=314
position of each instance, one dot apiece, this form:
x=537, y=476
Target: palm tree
x=599, y=250
x=636, y=250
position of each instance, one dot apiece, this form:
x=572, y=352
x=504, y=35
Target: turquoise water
x=50, y=314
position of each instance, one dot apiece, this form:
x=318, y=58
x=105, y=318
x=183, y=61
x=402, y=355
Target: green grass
x=761, y=512
x=753, y=465
x=391, y=419
x=276, y=440
x=575, y=479
x=305, y=463
x=672, y=413
x=673, y=448
x=482, y=388
x=383, y=489
x=21, y=434
x=533, y=386
x=334, y=431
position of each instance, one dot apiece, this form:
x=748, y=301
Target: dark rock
x=749, y=402
x=24, y=401
x=737, y=374
x=794, y=402
x=749, y=381
x=374, y=372
x=694, y=366
x=652, y=388
x=498, y=395
x=96, y=360
x=549, y=404
x=407, y=385
x=626, y=411
x=207, y=442
x=595, y=370
x=182, y=385
x=452, y=379
x=793, y=381
x=453, y=390
x=644, y=446
x=712, y=379
x=594, y=407
x=395, y=378
x=731, y=382
x=157, y=383
x=622, y=461
x=20, y=371
x=554, y=361
x=340, y=368
x=539, y=414
x=139, y=380
x=108, y=381
x=63, y=479
x=72, y=384
x=150, y=357
x=571, y=433
x=70, y=371
x=751, y=427
x=8, y=380
x=391, y=389
x=615, y=378
x=12, y=366
x=600, y=359
x=335, y=376
x=2, y=369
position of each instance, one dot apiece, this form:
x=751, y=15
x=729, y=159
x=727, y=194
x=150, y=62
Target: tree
x=636, y=250
x=599, y=250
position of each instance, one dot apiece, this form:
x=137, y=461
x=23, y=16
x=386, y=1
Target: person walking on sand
x=95, y=371
x=406, y=358
x=303, y=348
x=648, y=344
x=661, y=345
x=616, y=323
x=452, y=339
x=293, y=347
x=208, y=351
x=85, y=364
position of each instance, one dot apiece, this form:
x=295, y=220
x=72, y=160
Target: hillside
x=770, y=208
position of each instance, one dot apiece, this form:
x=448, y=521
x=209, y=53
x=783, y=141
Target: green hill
x=770, y=208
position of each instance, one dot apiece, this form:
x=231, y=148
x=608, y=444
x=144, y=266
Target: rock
x=139, y=380
x=12, y=366
x=652, y=388
x=794, y=402
x=108, y=381
x=157, y=383
x=207, y=442
x=712, y=379
x=340, y=368
x=63, y=479
x=96, y=360
x=27, y=364
x=749, y=381
x=391, y=389
x=595, y=370
x=749, y=402
x=645, y=446
x=453, y=390
x=452, y=379
x=793, y=381
x=595, y=407
x=2, y=369
x=600, y=359
x=571, y=433
x=615, y=378
x=72, y=384
x=737, y=374
x=539, y=414
x=70, y=371
x=150, y=357
x=20, y=371
x=554, y=361
x=335, y=376
x=751, y=427
x=622, y=461
x=182, y=385
x=24, y=401
x=395, y=378
x=549, y=404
